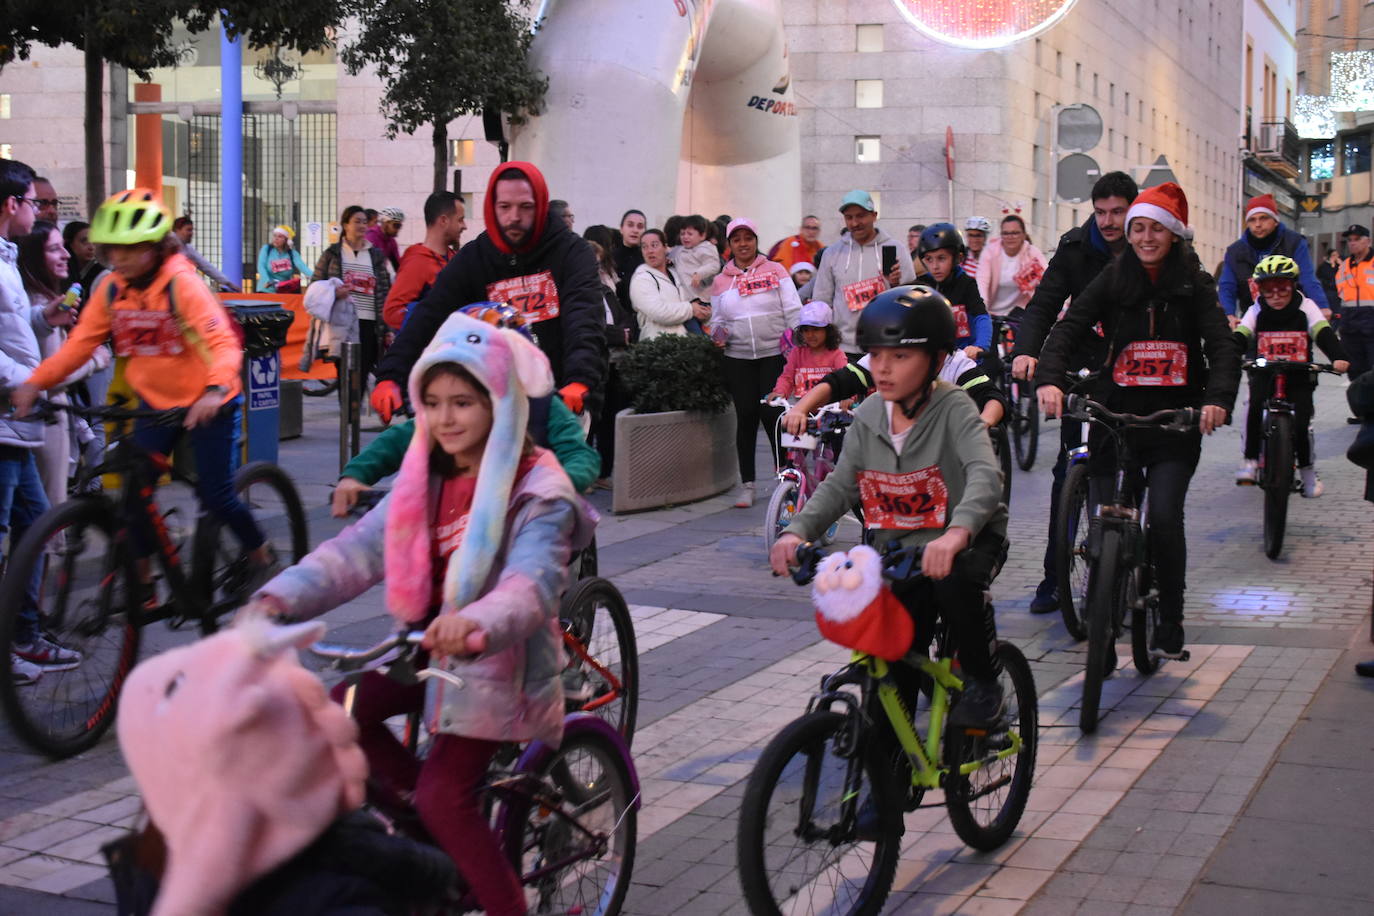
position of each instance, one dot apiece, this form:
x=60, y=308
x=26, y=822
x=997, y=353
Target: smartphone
x=889, y=259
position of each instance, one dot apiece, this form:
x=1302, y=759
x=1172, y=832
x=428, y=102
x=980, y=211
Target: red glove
x=572, y=394
x=387, y=400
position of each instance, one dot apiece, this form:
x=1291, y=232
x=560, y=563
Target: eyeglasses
x=31, y=201
x=46, y=202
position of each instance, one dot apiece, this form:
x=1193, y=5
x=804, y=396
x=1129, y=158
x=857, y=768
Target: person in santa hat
x=1155, y=296
x=1264, y=235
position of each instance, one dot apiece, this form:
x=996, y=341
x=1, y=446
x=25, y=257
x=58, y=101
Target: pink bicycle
x=810, y=459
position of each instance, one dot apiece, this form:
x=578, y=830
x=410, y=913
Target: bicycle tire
x=219, y=571
x=1026, y=433
x=1070, y=549
x=1002, y=447
x=1278, y=481
x=811, y=737
x=583, y=683
x=107, y=636
x=1144, y=620
x=1104, y=590
x=782, y=506
x=962, y=792
x=532, y=833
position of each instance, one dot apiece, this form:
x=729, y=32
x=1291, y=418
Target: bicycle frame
x=808, y=466
x=1277, y=403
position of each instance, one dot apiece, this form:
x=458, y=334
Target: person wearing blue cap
x=863, y=263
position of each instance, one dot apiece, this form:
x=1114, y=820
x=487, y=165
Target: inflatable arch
x=669, y=106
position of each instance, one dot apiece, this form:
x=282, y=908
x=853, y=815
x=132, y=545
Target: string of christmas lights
x=982, y=23
x=1352, y=89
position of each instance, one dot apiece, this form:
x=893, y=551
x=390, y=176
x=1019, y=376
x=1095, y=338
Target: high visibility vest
x=1355, y=281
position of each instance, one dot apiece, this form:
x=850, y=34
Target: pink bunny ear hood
x=513, y=370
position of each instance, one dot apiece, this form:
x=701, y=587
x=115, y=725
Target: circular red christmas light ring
x=982, y=23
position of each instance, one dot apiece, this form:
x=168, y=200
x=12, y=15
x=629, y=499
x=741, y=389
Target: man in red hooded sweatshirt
x=529, y=258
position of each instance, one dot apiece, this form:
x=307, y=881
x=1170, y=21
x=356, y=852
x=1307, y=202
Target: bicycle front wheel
x=1026, y=433
x=220, y=569
x=570, y=829
x=986, y=805
x=86, y=604
x=799, y=852
x=1105, y=591
x=1278, y=482
x=1071, y=549
x=782, y=505
x=601, y=675
x=1002, y=447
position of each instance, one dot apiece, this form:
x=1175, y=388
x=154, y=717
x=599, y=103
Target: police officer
x=1355, y=281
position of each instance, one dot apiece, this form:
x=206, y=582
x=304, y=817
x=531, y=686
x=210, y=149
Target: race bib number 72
x=535, y=295
x=904, y=502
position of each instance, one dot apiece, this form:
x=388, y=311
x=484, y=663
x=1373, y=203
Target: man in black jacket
x=529, y=258
x=1080, y=257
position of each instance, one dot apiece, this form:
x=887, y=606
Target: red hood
x=541, y=207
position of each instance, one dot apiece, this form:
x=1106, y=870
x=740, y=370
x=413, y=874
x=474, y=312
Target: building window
x=1111, y=94
x=1354, y=154
x=1321, y=161
x=1094, y=85
x=1058, y=63
x=868, y=38
x=867, y=149
x=6, y=151
x=1078, y=75
x=4, y=105
x=462, y=152
x=868, y=93
x=1037, y=52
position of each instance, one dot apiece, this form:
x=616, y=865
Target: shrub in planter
x=675, y=372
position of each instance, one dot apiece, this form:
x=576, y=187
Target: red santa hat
x=1166, y=205
x=1262, y=204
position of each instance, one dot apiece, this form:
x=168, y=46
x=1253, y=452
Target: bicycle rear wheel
x=602, y=661
x=986, y=805
x=87, y=604
x=1106, y=589
x=797, y=851
x=1026, y=432
x=570, y=830
x=220, y=570
x=1071, y=521
x=1278, y=481
x=782, y=505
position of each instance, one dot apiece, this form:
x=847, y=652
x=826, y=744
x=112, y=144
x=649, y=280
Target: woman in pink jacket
x=1010, y=268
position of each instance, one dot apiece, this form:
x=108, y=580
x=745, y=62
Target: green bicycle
x=822, y=818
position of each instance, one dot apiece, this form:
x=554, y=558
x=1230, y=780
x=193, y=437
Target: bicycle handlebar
x=1178, y=419
x=43, y=408
x=1263, y=364
x=899, y=563
x=349, y=658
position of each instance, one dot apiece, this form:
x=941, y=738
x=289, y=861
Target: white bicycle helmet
x=978, y=224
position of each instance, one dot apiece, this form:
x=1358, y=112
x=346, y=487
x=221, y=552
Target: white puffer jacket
x=21, y=326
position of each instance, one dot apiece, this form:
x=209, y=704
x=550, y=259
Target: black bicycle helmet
x=908, y=316
x=941, y=235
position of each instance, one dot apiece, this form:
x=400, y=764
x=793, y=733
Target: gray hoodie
x=845, y=263
x=947, y=435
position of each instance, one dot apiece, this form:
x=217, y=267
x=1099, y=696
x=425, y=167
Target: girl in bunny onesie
x=473, y=543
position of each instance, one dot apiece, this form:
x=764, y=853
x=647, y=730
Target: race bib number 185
x=857, y=295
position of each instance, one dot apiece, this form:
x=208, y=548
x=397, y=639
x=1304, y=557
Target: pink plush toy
x=240, y=756
x=856, y=609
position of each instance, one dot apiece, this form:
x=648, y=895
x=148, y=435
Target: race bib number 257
x=1152, y=363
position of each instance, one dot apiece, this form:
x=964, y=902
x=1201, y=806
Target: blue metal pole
x=231, y=156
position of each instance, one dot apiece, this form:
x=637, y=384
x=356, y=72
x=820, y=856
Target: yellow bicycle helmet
x=131, y=217
x=1276, y=267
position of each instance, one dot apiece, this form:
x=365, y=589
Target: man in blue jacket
x=1264, y=235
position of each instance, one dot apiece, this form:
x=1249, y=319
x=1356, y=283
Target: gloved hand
x=573, y=394
x=387, y=400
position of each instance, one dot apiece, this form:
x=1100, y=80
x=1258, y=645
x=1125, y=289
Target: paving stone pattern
x=1126, y=820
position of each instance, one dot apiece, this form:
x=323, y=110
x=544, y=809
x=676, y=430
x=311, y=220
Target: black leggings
x=1300, y=396
x=1169, y=460
x=749, y=381
x=603, y=430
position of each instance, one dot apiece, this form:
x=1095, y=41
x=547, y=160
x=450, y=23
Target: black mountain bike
x=1121, y=574
x=1023, y=418
x=1278, y=475
x=91, y=595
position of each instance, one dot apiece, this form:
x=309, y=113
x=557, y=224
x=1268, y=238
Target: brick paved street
x=1199, y=793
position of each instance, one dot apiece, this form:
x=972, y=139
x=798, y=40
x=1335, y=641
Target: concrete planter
x=675, y=457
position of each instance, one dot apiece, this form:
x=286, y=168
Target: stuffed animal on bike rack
x=856, y=609
x=241, y=758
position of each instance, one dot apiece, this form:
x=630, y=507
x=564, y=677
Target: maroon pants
x=446, y=788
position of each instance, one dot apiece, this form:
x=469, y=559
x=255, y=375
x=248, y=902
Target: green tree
x=442, y=59
x=137, y=35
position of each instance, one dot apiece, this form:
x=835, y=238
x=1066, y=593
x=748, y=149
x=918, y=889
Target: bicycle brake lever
x=442, y=675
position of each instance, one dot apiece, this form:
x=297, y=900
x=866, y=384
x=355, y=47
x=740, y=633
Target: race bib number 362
x=904, y=502
x=535, y=295
x=1152, y=363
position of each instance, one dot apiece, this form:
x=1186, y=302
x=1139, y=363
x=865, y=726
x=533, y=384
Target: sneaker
x=25, y=672
x=48, y=655
x=1168, y=640
x=1046, y=600
x=1248, y=473
x=745, y=496
x=979, y=706
x=1364, y=669
x=1312, y=486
